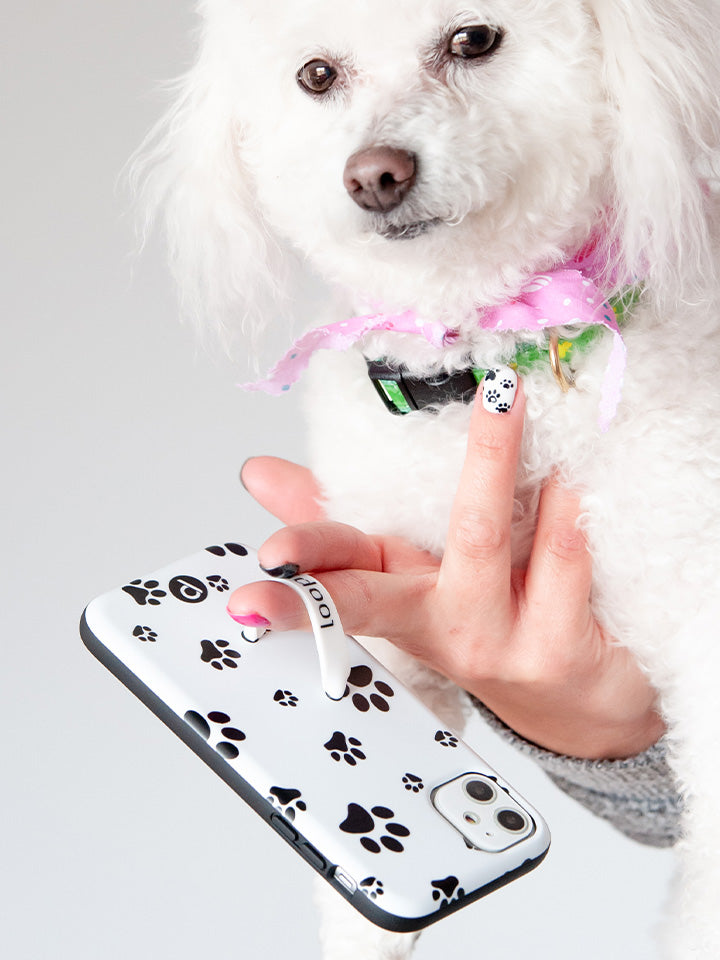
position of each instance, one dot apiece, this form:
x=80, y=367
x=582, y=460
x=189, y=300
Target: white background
x=123, y=438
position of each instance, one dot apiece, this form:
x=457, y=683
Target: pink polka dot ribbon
x=560, y=297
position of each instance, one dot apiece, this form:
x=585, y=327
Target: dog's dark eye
x=317, y=76
x=473, y=42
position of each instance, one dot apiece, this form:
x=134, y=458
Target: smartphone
x=400, y=816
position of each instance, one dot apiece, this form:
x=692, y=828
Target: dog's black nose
x=379, y=178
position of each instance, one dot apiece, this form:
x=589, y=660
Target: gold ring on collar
x=556, y=366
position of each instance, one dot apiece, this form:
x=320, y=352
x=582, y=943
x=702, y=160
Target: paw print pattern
x=344, y=748
x=288, y=800
x=499, y=388
x=225, y=747
x=359, y=821
x=413, y=783
x=218, y=654
x=145, y=592
x=447, y=890
x=235, y=548
x=372, y=887
x=362, y=676
x=286, y=698
x=218, y=583
x=146, y=634
x=446, y=739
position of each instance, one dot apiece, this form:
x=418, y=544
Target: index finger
x=287, y=490
x=476, y=567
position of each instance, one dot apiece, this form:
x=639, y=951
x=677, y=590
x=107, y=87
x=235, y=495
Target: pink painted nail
x=249, y=619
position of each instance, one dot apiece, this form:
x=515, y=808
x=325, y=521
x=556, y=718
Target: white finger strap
x=330, y=638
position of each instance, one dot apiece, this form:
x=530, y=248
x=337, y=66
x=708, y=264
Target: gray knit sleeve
x=639, y=796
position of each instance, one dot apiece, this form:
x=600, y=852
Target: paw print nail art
x=378, y=696
x=499, y=389
x=360, y=821
x=146, y=634
x=344, y=748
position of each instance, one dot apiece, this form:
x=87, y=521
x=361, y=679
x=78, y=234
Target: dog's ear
x=661, y=76
x=188, y=173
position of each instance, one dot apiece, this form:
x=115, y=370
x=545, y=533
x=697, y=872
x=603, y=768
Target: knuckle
x=487, y=447
x=566, y=544
x=478, y=537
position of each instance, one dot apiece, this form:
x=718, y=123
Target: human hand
x=523, y=641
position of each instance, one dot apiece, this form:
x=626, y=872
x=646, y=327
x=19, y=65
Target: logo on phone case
x=188, y=589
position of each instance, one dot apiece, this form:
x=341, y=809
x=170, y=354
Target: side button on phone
x=283, y=827
x=344, y=880
x=313, y=856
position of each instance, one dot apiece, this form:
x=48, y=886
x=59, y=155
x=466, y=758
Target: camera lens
x=480, y=790
x=511, y=820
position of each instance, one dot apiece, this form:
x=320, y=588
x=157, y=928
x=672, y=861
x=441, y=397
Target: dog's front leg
x=347, y=935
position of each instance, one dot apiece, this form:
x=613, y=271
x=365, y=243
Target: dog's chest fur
x=650, y=484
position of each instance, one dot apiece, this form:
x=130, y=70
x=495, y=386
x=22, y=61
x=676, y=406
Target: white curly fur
x=594, y=119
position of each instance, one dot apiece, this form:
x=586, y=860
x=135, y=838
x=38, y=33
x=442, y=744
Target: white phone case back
x=347, y=782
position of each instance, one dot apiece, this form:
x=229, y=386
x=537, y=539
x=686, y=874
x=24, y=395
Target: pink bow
x=561, y=297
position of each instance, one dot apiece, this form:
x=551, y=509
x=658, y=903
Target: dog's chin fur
x=595, y=122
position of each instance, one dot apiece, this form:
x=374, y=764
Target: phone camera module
x=511, y=820
x=480, y=790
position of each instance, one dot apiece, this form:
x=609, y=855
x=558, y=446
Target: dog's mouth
x=405, y=231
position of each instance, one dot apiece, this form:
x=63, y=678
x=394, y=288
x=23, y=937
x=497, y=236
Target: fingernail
x=498, y=389
x=249, y=619
x=285, y=571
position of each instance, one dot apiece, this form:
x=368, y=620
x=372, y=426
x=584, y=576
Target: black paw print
x=145, y=592
x=146, y=634
x=492, y=396
x=372, y=887
x=447, y=890
x=361, y=676
x=446, y=739
x=218, y=583
x=236, y=548
x=507, y=384
x=413, y=783
x=344, y=748
x=502, y=407
x=288, y=800
x=226, y=749
x=286, y=698
x=358, y=820
x=218, y=654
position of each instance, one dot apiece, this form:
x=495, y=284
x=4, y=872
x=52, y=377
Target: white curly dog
x=432, y=160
